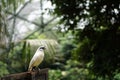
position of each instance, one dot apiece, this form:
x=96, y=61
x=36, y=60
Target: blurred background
x=82, y=37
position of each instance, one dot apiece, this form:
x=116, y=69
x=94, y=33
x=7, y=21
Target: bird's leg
x=37, y=69
x=34, y=69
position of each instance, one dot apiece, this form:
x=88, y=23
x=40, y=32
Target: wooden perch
x=36, y=75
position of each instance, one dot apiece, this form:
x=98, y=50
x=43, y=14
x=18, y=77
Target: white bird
x=37, y=58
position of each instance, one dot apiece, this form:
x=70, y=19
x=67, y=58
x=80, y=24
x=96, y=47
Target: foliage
x=3, y=69
x=98, y=12
x=72, y=72
x=117, y=76
x=101, y=30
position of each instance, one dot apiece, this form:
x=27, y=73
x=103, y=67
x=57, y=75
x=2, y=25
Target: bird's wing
x=32, y=62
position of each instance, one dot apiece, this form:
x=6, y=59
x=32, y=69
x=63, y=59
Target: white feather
x=36, y=59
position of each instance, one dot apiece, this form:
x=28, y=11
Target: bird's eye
x=42, y=47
